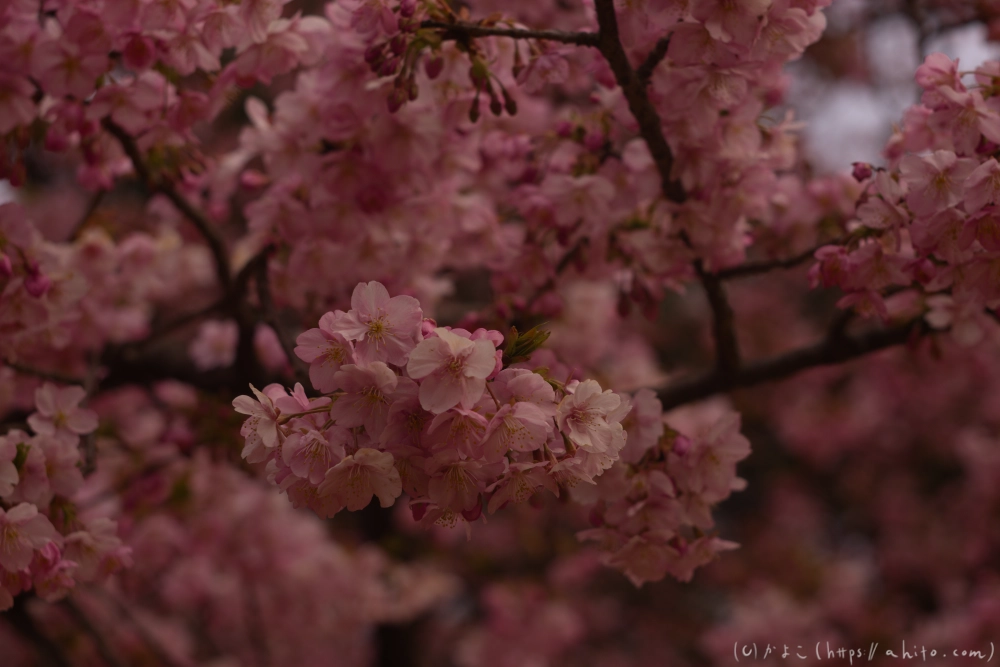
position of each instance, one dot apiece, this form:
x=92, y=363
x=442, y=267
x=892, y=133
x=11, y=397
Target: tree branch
x=201, y=223
x=103, y=649
x=92, y=205
x=755, y=268
x=49, y=652
x=463, y=30
x=44, y=375
x=832, y=350
x=634, y=89
x=270, y=316
x=655, y=57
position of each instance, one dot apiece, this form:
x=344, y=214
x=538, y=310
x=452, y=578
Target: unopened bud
x=6, y=268
x=396, y=99
x=373, y=54
x=862, y=171
x=433, y=66
x=389, y=67
x=407, y=8
x=509, y=104
x=474, y=110
x=496, y=108
x=398, y=45
x=37, y=283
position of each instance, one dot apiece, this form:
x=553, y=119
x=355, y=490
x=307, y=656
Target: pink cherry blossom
x=325, y=351
x=936, y=181
x=353, y=481
x=23, y=531
x=592, y=417
x=452, y=370
x=385, y=329
x=59, y=412
x=215, y=344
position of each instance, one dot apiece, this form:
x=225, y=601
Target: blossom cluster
x=45, y=544
x=425, y=409
x=652, y=517
x=929, y=220
x=433, y=411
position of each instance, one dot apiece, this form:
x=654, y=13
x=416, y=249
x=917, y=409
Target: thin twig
x=655, y=57
x=78, y=228
x=151, y=642
x=91, y=630
x=832, y=350
x=166, y=188
x=44, y=375
x=49, y=652
x=765, y=266
x=465, y=29
x=563, y=264
x=270, y=316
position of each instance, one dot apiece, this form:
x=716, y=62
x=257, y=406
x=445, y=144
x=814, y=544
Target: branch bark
x=832, y=350
x=464, y=30
x=194, y=216
x=634, y=89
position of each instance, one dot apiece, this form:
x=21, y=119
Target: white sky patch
x=850, y=121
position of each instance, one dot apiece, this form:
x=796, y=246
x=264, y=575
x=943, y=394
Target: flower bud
x=862, y=171
x=373, y=54
x=474, y=110
x=37, y=283
x=389, y=67
x=397, y=45
x=6, y=268
x=396, y=99
x=433, y=66
x=407, y=8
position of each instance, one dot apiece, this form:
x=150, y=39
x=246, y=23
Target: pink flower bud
x=434, y=66
x=389, y=67
x=373, y=54
x=407, y=8
x=397, y=45
x=6, y=268
x=37, y=284
x=252, y=179
x=862, y=171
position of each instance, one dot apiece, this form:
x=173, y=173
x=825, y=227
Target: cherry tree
x=425, y=332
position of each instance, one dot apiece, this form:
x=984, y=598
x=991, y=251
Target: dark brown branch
x=727, y=349
x=45, y=375
x=92, y=205
x=49, y=652
x=832, y=350
x=634, y=89
x=164, y=187
x=655, y=57
x=463, y=30
x=755, y=268
x=269, y=315
x=103, y=649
